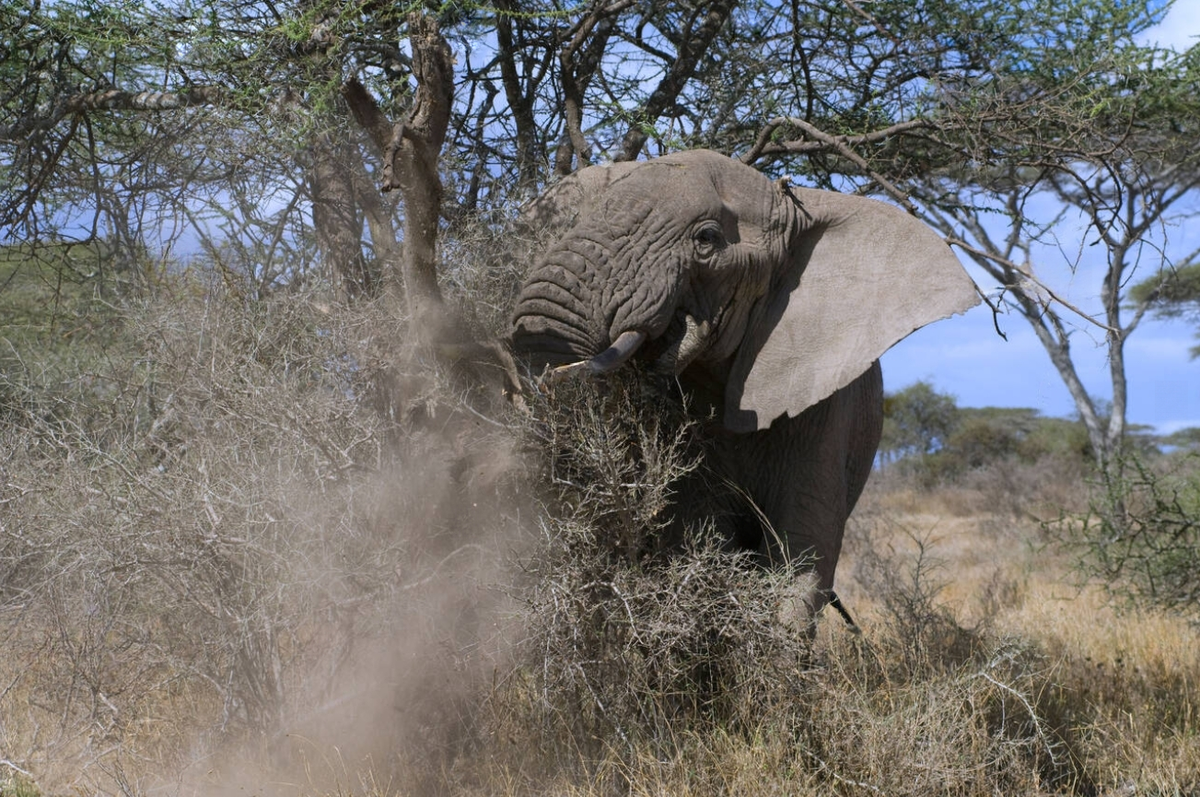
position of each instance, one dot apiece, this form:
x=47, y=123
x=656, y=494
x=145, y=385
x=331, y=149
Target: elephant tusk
x=693, y=342
x=612, y=358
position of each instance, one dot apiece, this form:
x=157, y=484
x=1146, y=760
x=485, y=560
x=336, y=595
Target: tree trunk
x=520, y=102
x=336, y=222
x=411, y=150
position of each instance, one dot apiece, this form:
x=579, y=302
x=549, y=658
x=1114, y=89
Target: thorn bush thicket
x=637, y=633
x=232, y=526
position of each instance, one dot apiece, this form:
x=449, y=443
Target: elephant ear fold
x=863, y=276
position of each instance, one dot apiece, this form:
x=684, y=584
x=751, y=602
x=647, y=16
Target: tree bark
x=578, y=61
x=520, y=102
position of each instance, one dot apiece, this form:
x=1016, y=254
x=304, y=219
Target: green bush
x=1141, y=538
x=977, y=439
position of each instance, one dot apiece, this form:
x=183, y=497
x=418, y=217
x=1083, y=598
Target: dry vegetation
x=255, y=539
x=270, y=547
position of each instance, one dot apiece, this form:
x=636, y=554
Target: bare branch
x=693, y=47
x=842, y=146
x=411, y=150
x=114, y=100
x=1026, y=275
x=763, y=144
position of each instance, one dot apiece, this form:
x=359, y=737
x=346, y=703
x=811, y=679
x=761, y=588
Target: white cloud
x=1180, y=29
x=1168, y=350
x=1168, y=427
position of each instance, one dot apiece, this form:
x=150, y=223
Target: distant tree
x=1004, y=207
x=1064, y=438
x=1186, y=439
x=917, y=420
x=986, y=437
x=1173, y=293
x=989, y=435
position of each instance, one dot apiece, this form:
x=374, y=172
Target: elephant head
x=695, y=261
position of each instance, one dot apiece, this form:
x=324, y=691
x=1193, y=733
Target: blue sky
x=965, y=357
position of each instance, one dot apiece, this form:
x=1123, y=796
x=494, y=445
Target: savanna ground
x=278, y=547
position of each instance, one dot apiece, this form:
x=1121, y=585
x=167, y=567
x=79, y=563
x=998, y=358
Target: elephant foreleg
x=808, y=472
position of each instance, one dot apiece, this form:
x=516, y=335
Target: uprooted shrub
x=652, y=666
x=628, y=657
x=634, y=636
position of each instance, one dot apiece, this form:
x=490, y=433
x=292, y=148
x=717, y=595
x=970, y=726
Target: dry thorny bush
x=632, y=641
x=641, y=664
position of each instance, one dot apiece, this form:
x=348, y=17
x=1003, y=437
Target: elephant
x=769, y=305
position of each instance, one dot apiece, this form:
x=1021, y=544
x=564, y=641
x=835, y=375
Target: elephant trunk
x=587, y=292
x=597, y=297
x=552, y=322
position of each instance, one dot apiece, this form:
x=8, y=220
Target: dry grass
x=213, y=540
x=264, y=549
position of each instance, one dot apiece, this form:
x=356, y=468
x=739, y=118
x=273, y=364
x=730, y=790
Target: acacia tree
x=271, y=87
x=222, y=103
x=1174, y=293
x=1130, y=178
x=1007, y=111
x=270, y=130
x=917, y=420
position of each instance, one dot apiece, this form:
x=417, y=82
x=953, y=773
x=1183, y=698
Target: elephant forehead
x=666, y=185
x=693, y=185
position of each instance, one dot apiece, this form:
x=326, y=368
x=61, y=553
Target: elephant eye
x=709, y=239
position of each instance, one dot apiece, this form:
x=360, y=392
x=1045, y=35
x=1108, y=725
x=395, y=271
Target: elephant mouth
x=670, y=353
x=684, y=340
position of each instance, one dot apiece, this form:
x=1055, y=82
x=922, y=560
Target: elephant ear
x=863, y=275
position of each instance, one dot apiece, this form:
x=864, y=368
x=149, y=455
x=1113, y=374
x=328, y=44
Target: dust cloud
x=263, y=547
x=408, y=645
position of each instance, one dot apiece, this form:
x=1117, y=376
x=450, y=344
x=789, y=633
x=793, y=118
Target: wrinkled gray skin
x=770, y=304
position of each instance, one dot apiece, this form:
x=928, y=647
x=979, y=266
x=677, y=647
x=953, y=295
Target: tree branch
x=842, y=146
x=693, y=48
x=114, y=100
x=1026, y=275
